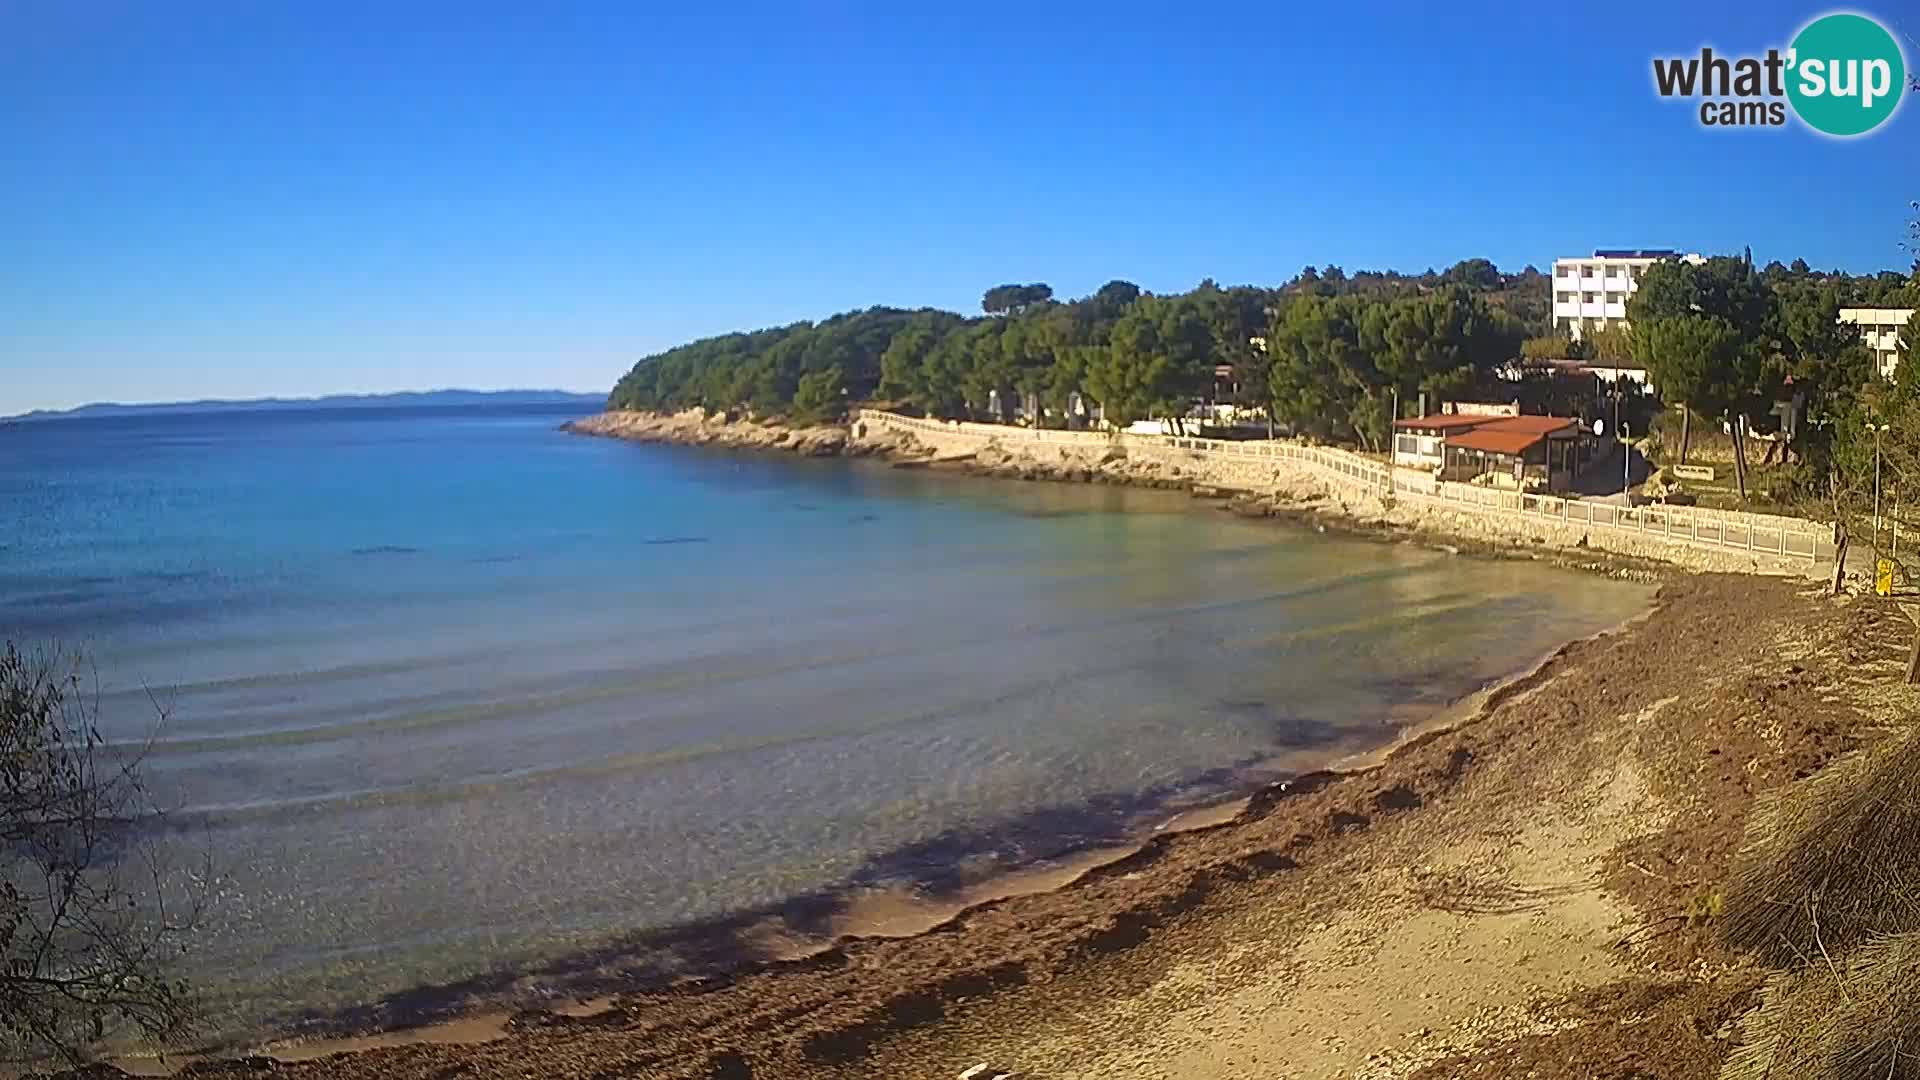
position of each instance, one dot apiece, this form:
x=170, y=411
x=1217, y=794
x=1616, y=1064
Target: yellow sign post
x=1883, y=577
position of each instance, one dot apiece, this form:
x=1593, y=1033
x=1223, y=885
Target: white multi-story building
x=1881, y=328
x=1591, y=293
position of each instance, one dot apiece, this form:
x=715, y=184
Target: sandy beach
x=821, y=546
x=1513, y=893
x=1515, y=887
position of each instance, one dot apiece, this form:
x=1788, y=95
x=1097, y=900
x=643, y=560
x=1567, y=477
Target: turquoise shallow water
x=450, y=689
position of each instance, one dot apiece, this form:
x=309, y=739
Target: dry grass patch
x=1831, y=862
x=1854, y=1020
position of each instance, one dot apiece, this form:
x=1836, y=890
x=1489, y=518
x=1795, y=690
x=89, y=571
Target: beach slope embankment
x=1318, y=486
x=1526, y=891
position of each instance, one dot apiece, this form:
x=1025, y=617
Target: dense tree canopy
x=1013, y=299
x=1698, y=329
x=1726, y=341
x=1549, y=347
x=1906, y=370
x=1324, y=354
x=762, y=370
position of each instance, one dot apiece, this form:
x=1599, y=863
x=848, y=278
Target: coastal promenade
x=1694, y=537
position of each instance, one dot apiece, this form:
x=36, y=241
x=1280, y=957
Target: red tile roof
x=1540, y=425
x=1496, y=441
x=1512, y=435
x=1465, y=429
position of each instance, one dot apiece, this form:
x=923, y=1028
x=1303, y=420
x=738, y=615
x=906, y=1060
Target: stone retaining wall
x=1336, y=482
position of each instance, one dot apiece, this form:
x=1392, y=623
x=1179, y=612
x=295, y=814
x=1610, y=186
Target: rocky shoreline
x=695, y=428
x=1299, y=501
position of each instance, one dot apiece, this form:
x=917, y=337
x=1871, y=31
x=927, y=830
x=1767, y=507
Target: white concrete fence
x=1765, y=534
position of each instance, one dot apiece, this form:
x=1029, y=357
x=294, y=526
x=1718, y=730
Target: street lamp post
x=1878, y=430
x=1626, y=467
x=1393, y=441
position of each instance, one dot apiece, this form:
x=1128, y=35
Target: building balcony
x=1566, y=309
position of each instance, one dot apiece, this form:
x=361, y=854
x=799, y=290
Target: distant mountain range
x=414, y=399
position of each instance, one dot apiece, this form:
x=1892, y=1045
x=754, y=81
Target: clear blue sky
x=233, y=198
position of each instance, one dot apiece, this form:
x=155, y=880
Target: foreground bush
x=86, y=933
x=1833, y=861
x=1857, y=1019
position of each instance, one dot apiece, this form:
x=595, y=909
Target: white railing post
x=1350, y=468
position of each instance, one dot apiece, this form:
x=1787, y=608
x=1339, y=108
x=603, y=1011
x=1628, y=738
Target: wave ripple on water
x=447, y=690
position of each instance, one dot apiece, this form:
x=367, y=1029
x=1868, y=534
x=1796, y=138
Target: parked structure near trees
x=1495, y=446
x=1882, y=329
x=1590, y=293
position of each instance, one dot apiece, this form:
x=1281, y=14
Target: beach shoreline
x=800, y=929
x=1543, y=833
x=1254, y=487
x=1297, y=501
x=758, y=947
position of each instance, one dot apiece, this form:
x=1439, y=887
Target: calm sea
x=448, y=689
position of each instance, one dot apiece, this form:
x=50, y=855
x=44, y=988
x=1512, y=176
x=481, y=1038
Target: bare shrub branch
x=88, y=922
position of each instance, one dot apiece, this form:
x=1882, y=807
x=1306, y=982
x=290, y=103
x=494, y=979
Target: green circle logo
x=1846, y=75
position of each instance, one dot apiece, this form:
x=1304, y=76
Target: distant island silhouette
x=413, y=398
